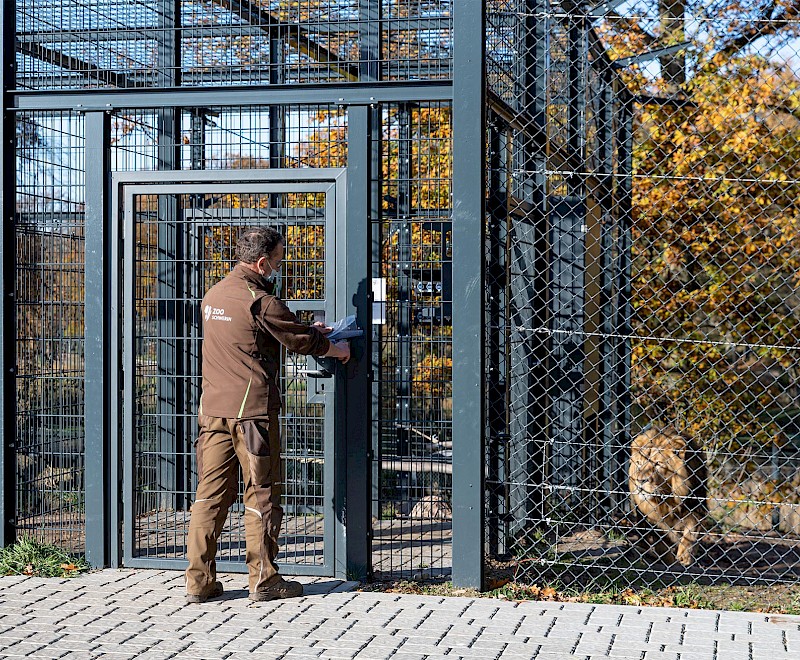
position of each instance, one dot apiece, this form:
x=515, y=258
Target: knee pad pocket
x=255, y=435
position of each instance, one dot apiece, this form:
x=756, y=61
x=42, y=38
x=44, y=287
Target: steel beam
x=97, y=365
x=212, y=76
x=623, y=62
x=144, y=32
x=8, y=251
x=294, y=34
x=469, y=279
x=365, y=93
x=605, y=350
x=73, y=64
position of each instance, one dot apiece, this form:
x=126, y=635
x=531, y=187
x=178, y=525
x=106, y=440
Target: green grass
x=784, y=599
x=30, y=557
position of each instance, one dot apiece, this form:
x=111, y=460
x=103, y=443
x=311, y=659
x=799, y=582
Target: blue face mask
x=274, y=278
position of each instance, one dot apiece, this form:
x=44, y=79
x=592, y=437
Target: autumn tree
x=716, y=224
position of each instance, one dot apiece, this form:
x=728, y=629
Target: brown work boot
x=281, y=589
x=213, y=591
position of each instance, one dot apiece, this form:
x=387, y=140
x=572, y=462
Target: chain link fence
x=643, y=315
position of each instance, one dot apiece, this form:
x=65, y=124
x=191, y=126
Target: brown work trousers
x=256, y=445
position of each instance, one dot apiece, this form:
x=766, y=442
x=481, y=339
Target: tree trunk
x=673, y=67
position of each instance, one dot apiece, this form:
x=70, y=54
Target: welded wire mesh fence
x=143, y=43
x=412, y=468
x=643, y=266
x=48, y=293
x=412, y=321
x=184, y=245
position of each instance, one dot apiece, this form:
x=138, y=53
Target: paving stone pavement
x=120, y=614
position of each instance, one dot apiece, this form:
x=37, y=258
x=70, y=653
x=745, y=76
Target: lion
x=667, y=482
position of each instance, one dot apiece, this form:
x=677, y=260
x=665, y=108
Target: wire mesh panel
x=413, y=329
x=184, y=244
x=143, y=43
x=643, y=265
x=49, y=297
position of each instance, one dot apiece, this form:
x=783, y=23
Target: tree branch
x=764, y=26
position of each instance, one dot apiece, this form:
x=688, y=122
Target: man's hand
x=339, y=350
x=324, y=329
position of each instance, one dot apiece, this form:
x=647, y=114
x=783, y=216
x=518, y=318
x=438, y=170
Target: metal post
x=622, y=408
x=97, y=361
x=198, y=139
x=605, y=366
x=277, y=115
x=8, y=253
x=469, y=278
x=353, y=288
x=578, y=58
x=404, y=285
x=169, y=421
x=496, y=386
x=370, y=16
x=568, y=218
x=193, y=281
x=530, y=291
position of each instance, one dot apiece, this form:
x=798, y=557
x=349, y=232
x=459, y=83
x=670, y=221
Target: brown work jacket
x=243, y=329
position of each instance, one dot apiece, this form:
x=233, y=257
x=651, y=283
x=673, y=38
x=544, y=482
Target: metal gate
x=179, y=232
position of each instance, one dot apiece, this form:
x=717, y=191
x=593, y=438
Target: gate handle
x=316, y=373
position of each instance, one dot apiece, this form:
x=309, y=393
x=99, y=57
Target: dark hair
x=257, y=242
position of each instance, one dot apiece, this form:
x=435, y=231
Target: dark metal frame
x=624, y=311
x=469, y=277
x=346, y=551
x=357, y=93
x=97, y=334
x=364, y=100
x=354, y=296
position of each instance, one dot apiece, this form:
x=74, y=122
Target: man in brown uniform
x=244, y=326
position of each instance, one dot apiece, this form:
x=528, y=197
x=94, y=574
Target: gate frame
x=349, y=534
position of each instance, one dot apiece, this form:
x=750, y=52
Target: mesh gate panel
x=643, y=256
x=184, y=245
x=227, y=139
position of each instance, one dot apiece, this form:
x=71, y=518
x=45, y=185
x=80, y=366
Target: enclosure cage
x=509, y=197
